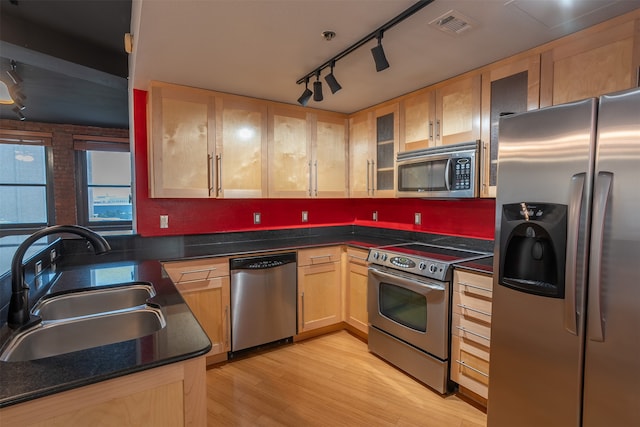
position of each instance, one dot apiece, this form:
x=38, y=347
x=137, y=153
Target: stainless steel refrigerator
x=565, y=334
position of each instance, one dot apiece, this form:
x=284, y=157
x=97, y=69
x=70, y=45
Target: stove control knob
x=376, y=255
x=433, y=268
x=383, y=257
x=422, y=266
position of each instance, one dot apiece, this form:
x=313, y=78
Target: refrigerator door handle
x=595, y=317
x=576, y=193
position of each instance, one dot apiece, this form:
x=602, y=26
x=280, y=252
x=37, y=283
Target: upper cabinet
x=596, y=61
x=385, y=149
x=181, y=141
x=241, y=140
x=329, y=175
x=446, y=114
x=508, y=87
x=361, y=154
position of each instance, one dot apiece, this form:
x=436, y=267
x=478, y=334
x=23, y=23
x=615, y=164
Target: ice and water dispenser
x=533, y=247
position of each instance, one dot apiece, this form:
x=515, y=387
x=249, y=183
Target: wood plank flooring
x=331, y=380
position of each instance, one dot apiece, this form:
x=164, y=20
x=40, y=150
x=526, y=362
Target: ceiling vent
x=453, y=23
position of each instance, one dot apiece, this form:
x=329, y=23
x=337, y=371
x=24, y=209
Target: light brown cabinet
x=181, y=141
x=330, y=136
x=319, y=288
x=471, y=331
x=511, y=86
x=417, y=120
x=205, y=285
x=355, y=284
x=594, y=62
x=361, y=155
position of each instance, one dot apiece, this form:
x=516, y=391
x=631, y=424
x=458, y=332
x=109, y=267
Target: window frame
x=43, y=139
x=82, y=144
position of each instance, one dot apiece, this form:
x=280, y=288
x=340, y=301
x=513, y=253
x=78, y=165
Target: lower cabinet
x=471, y=332
x=319, y=288
x=205, y=285
x=356, y=289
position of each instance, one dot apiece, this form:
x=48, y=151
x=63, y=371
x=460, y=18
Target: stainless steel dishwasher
x=263, y=299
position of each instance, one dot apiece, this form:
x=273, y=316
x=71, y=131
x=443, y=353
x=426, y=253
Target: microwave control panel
x=462, y=174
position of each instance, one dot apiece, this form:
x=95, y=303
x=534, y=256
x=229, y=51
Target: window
x=24, y=190
x=104, y=189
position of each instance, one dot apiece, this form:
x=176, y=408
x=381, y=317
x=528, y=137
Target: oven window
x=403, y=306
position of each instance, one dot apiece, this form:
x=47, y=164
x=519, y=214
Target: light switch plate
x=417, y=218
x=256, y=217
x=164, y=221
x=374, y=216
x=305, y=216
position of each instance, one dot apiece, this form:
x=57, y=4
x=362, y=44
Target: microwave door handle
x=447, y=175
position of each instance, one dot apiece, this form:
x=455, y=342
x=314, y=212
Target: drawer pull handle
x=357, y=258
x=473, y=309
x=328, y=257
x=473, y=333
x=468, y=285
x=207, y=270
x=472, y=368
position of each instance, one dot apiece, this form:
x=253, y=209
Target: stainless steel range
x=409, y=304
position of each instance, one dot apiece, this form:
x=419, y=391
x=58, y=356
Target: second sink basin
x=52, y=338
x=92, y=301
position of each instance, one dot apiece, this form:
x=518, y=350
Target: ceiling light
x=5, y=96
x=306, y=95
x=18, y=113
x=378, y=55
x=317, y=88
x=14, y=74
x=331, y=80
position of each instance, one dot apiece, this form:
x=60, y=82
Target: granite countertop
x=182, y=338
x=482, y=265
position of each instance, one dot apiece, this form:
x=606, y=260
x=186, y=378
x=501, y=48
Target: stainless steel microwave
x=449, y=171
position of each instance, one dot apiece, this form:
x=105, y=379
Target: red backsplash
x=469, y=218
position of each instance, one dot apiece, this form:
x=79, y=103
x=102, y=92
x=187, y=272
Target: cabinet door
x=361, y=139
x=329, y=170
x=508, y=87
x=289, y=153
x=319, y=288
x=242, y=144
x=417, y=115
x=458, y=111
x=595, y=63
x=386, y=148
x=356, y=292
x=181, y=141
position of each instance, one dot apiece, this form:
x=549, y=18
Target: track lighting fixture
x=377, y=52
x=306, y=95
x=331, y=80
x=21, y=116
x=13, y=74
x=317, y=88
x=379, y=56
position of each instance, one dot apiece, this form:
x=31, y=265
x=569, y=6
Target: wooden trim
x=195, y=392
x=95, y=138
x=24, y=137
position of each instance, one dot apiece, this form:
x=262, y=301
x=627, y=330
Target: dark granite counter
x=182, y=338
x=482, y=265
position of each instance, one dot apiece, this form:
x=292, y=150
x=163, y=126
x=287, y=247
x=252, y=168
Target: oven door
x=410, y=308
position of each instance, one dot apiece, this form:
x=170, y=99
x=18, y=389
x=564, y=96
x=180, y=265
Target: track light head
x=331, y=80
x=317, y=88
x=18, y=112
x=379, y=56
x=306, y=95
x=13, y=73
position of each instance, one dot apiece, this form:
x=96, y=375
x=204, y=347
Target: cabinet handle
x=430, y=130
x=210, y=178
x=316, y=177
x=302, y=308
x=373, y=180
x=219, y=189
x=226, y=329
x=469, y=285
x=484, y=374
x=463, y=329
x=438, y=129
x=208, y=270
x=358, y=258
x=475, y=310
x=368, y=176
x=313, y=258
x=310, y=178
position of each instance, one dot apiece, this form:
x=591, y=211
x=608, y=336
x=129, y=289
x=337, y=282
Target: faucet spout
x=19, y=304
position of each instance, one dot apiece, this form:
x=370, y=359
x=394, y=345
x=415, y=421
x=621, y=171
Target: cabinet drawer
x=472, y=306
x=468, y=368
x=471, y=330
x=357, y=256
x=322, y=255
x=473, y=284
x=197, y=270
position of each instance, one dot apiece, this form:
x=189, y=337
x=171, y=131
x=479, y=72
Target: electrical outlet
x=52, y=256
x=305, y=216
x=374, y=216
x=38, y=267
x=417, y=218
x=164, y=221
x=256, y=218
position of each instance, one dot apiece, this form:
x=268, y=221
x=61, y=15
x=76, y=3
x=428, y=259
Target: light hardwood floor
x=330, y=380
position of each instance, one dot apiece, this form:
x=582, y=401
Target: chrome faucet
x=19, y=304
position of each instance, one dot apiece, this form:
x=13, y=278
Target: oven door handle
x=410, y=283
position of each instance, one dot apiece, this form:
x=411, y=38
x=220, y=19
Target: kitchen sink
x=55, y=337
x=92, y=301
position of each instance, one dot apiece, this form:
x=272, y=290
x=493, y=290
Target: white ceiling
x=260, y=48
